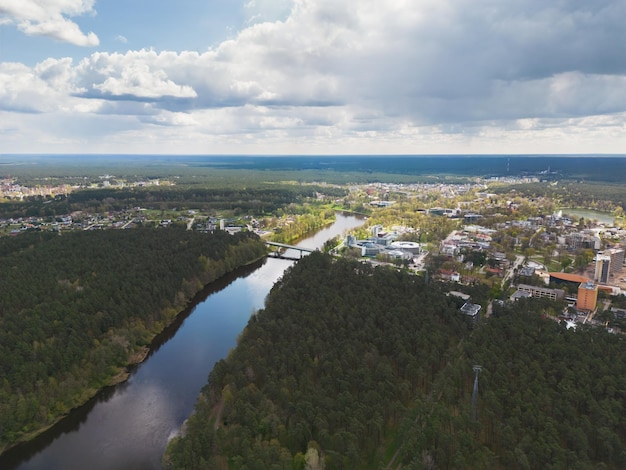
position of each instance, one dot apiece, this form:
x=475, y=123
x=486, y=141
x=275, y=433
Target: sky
x=312, y=76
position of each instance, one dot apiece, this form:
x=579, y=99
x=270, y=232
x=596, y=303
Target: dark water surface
x=128, y=426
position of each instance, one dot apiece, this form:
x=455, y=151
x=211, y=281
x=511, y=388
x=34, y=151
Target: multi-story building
x=587, y=296
x=541, y=292
x=376, y=229
x=603, y=269
x=617, y=259
x=576, y=241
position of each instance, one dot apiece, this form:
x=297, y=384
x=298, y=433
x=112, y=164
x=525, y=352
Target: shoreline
x=135, y=359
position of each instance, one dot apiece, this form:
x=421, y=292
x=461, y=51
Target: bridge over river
x=301, y=249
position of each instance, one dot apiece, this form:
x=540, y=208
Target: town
x=479, y=231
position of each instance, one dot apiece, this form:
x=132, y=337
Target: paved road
x=519, y=259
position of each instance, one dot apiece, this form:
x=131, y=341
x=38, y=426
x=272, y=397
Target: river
x=128, y=426
x=602, y=217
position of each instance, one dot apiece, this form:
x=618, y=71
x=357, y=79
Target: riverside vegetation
x=350, y=366
x=76, y=309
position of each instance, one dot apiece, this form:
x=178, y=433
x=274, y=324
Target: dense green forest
x=235, y=198
x=359, y=367
x=77, y=308
x=549, y=398
x=333, y=362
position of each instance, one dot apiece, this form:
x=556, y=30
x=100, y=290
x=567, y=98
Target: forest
x=331, y=363
x=549, y=398
x=232, y=197
x=350, y=366
x=76, y=309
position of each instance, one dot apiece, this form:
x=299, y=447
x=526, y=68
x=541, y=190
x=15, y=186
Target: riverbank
x=297, y=227
x=142, y=354
x=168, y=321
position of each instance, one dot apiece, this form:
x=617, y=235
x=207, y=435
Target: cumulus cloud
x=438, y=61
x=138, y=81
x=368, y=71
x=47, y=87
x=50, y=18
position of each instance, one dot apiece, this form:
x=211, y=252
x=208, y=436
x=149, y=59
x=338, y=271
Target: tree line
x=235, y=198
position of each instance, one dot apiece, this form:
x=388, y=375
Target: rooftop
x=589, y=285
x=569, y=277
x=470, y=309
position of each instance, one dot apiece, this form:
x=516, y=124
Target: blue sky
x=312, y=76
x=135, y=24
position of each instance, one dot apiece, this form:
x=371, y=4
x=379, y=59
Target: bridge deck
x=284, y=245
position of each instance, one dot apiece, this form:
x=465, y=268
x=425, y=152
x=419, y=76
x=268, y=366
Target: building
x=603, y=269
x=577, y=241
x=384, y=239
x=376, y=229
x=520, y=294
x=460, y=295
x=527, y=271
x=617, y=259
x=619, y=313
x=449, y=249
x=396, y=254
x=369, y=249
x=408, y=247
x=567, y=278
x=472, y=311
x=541, y=292
x=587, y=296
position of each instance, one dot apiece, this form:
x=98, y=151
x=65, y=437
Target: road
x=519, y=259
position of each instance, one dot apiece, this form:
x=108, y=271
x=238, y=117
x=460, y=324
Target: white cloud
x=137, y=80
x=364, y=76
x=49, y=18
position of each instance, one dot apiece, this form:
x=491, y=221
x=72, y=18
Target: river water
x=602, y=217
x=128, y=426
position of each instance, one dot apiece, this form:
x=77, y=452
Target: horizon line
x=228, y=155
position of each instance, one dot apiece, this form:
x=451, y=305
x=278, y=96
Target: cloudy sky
x=312, y=76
